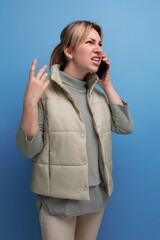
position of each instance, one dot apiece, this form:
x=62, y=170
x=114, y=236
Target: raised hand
x=36, y=84
x=34, y=91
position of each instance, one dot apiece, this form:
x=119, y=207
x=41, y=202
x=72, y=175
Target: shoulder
x=53, y=89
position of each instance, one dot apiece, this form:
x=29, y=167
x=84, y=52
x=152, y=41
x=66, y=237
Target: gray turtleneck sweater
x=78, y=89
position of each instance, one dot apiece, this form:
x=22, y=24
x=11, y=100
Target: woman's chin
x=93, y=69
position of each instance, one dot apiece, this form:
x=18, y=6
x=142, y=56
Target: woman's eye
x=90, y=42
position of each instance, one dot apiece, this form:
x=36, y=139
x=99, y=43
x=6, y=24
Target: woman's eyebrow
x=94, y=40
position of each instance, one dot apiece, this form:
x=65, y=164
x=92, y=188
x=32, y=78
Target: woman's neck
x=75, y=73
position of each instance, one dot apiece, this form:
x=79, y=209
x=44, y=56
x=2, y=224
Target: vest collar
x=90, y=78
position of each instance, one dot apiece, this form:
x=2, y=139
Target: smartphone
x=103, y=68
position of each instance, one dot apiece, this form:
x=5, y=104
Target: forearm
x=112, y=95
x=29, y=120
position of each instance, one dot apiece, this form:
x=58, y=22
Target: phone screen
x=102, y=69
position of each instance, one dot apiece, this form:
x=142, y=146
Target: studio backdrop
x=30, y=29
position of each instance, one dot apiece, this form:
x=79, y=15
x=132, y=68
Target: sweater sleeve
x=121, y=118
x=35, y=146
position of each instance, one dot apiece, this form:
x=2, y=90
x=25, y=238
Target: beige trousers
x=83, y=227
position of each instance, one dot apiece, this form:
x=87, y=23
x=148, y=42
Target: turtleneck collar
x=90, y=79
x=72, y=82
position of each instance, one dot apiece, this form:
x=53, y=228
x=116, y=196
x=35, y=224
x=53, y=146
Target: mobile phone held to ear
x=103, y=68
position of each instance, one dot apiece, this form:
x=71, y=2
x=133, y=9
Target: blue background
x=30, y=29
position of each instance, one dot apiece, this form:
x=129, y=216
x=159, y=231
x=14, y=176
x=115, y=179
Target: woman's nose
x=98, y=49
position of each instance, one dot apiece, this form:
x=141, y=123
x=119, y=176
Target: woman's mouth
x=96, y=60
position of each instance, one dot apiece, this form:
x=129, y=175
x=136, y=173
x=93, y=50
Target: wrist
x=30, y=101
x=107, y=86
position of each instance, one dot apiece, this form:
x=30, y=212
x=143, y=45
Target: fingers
x=105, y=58
x=43, y=78
x=32, y=69
x=40, y=75
x=41, y=71
x=45, y=85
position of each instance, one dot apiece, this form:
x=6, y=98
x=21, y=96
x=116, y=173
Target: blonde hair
x=71, y=37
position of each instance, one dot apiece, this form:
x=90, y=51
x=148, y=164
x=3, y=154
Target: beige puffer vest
x=61, y=169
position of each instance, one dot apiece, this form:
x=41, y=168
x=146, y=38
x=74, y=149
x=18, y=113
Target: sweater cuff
x=29, y=148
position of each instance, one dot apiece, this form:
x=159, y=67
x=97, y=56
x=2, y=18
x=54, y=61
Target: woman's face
x=87, y=56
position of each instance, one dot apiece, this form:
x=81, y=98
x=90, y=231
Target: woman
x=66, y=129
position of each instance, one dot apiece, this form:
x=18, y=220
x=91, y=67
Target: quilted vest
x=61, y=169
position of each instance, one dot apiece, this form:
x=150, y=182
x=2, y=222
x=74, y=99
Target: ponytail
x=58, y=56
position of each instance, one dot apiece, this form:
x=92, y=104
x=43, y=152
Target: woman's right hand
x=36, y=84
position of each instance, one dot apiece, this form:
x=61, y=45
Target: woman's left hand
x=105, y=80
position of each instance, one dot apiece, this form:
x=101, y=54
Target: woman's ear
x=68, y=53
